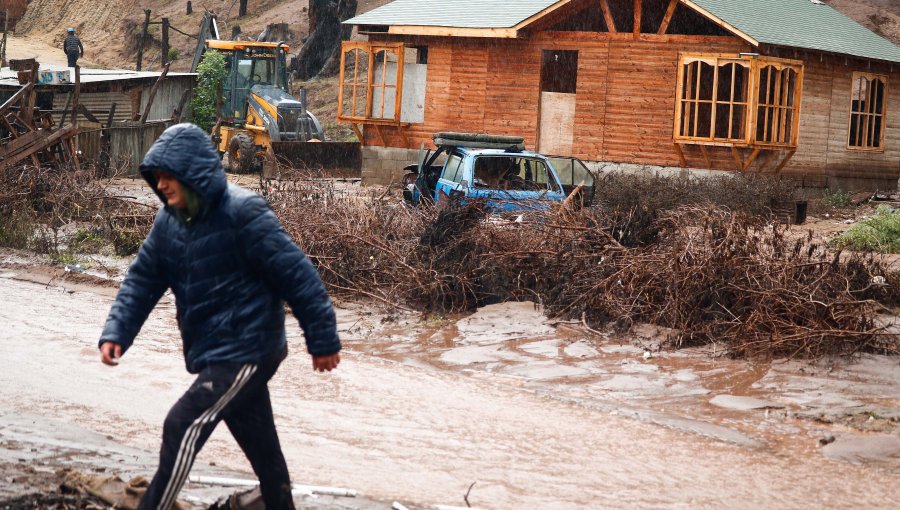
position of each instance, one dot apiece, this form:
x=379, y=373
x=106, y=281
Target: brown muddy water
x=538, y=415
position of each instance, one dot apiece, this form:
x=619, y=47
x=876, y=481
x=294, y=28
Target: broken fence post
x=153, y=90
x=140, y=55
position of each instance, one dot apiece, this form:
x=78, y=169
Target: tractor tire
x=241, y=154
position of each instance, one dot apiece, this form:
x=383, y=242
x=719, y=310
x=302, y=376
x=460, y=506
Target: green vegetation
x=16, y=228
x=880, y=233
x=173, y=55
x=836, y=197
x=210, y=74
x=87, y=240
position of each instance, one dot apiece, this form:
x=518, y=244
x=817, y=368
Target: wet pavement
x=539, y=415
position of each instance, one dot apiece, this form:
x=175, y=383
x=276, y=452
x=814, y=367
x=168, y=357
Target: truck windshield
x=513, y=173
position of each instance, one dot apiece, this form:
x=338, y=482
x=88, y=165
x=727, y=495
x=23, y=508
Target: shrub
x=836, y=197
x=173, y=55
x=880, y=233
x=210, y=74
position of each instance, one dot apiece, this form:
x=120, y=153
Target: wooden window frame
x=716, y=62
x=752, y=104
x=372, y=87
x=777, y=107
x=869, y=77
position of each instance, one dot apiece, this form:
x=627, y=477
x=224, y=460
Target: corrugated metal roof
x=794, y=23
x=801, y=24
x=9, y=77
x=454, y=13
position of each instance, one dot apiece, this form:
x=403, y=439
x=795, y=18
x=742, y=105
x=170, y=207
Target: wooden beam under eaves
x=607, y=15
x=664, y=26
x=637, y=19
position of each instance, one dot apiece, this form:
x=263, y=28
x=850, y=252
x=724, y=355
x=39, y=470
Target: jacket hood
x=187, y=152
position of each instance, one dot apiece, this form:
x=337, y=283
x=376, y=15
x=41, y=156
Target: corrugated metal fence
x=130, y=141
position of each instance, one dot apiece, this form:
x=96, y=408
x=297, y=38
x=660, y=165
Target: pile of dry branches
x=711, y=275
x=36, y=203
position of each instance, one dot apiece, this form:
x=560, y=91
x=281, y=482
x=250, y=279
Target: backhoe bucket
x=326, y=159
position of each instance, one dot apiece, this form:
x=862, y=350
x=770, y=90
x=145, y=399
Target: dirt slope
x=110, y=28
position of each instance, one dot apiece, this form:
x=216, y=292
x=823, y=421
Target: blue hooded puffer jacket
x=231, y=268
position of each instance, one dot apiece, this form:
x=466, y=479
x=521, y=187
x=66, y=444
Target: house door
x=559, y=76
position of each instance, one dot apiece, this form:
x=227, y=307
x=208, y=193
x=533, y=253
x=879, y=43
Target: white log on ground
x=297, y=489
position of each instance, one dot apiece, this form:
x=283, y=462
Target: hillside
x=880, y=16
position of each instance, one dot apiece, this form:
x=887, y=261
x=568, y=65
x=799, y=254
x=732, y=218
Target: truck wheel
x=241, y=153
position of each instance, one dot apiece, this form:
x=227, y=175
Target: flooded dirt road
x=416, y=412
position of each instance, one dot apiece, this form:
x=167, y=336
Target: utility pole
x=242, y=10
x=140, y=55
x=165, y=41
x=3, y=44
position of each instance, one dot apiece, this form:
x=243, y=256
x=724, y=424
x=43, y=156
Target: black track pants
x=73, y=59
x=239, y=395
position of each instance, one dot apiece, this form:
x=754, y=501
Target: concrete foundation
x=384, y=165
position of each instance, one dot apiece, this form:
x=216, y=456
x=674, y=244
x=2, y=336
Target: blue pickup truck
x=496, y=169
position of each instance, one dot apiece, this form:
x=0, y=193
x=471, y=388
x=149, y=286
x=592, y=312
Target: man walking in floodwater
x=72, y=47
x=231, y=267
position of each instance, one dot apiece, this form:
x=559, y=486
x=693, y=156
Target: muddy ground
x=538, y=414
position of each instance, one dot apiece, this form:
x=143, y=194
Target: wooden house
x=772, y=86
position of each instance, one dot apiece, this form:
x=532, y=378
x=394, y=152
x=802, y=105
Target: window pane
x=707, y=75
x=859, y=93
x=452, y=170
x=689, y=84
x=723, y=91
x=687, y=119
x=741, y=83
x=788, y=132
x=877, y=96
x=723, y=121
x=789, y=88
x=876, y=141
x=704, y=120
x=854, y=130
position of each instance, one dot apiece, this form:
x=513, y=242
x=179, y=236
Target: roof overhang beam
x=505, y=33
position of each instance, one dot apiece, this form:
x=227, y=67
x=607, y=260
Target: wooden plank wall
x=626, y=101
x=822, y=152
x=625, y=92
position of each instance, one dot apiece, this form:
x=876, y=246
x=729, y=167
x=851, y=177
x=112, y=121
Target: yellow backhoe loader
x=260, y=121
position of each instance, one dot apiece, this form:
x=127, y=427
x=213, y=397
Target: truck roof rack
x=479, y=141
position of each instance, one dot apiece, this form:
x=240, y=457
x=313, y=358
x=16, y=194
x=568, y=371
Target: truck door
x=572, y=172
x=450, y=184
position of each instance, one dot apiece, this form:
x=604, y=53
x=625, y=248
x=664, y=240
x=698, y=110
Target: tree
x=325, y=35
x=210, y=75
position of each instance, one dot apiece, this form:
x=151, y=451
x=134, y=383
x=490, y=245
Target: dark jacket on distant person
x=72, y=44
x=231, y=267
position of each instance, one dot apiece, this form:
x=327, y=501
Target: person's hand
x=110, y=352
x=326, y=363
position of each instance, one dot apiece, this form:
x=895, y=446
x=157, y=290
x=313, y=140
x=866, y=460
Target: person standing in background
x=72, y=47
